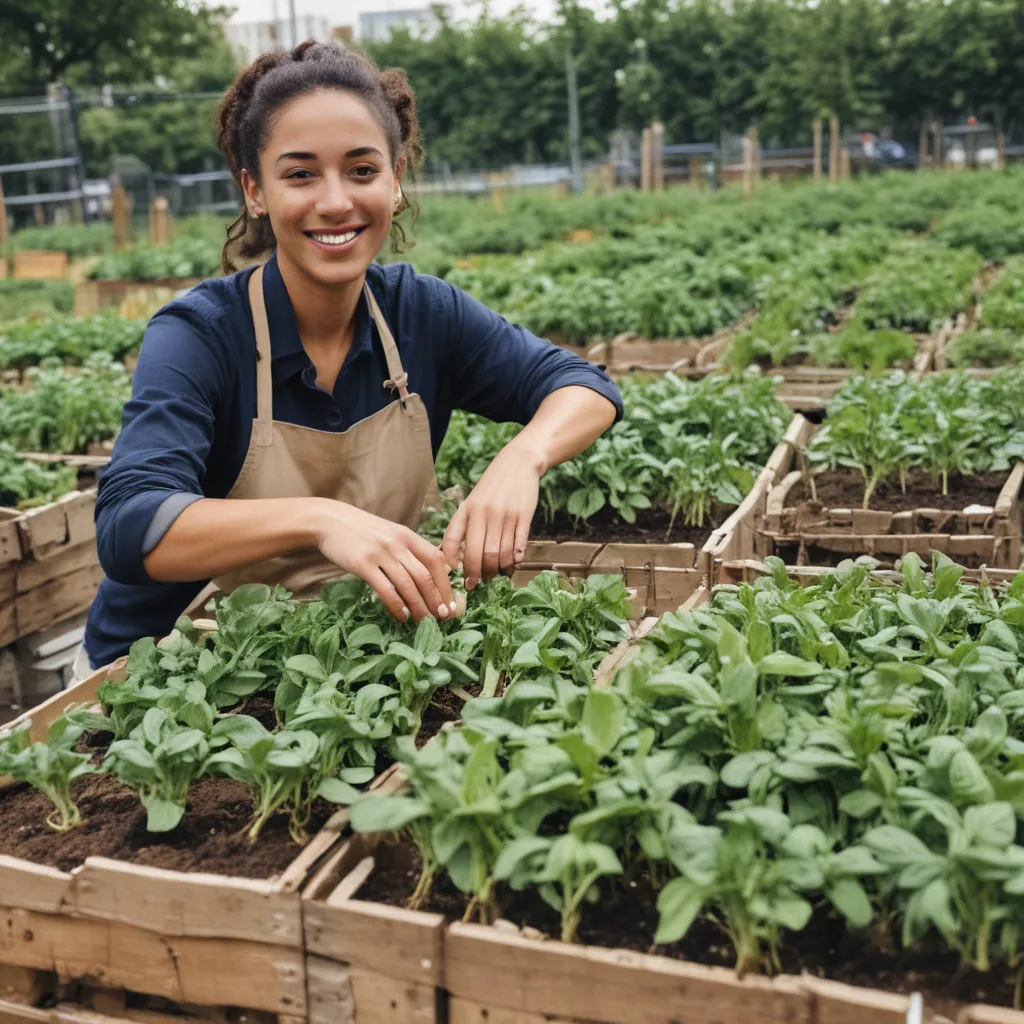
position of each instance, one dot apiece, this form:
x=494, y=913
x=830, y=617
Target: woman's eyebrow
x=351, y=154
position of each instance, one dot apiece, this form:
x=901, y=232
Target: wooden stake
x=755, y=153
x=658, y=155
x=3, y=216
x=816, y=127
x=646, y=170
x=696, y=172
x=844, y=164
x=122, y=217
x=747, y=148
x=938, y=160
x=159, y=221
x=833, y=150
x=1000, y=151
x=923, y=158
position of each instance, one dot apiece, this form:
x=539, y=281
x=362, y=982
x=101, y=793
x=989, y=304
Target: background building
x=377, y=26
x=249, y=39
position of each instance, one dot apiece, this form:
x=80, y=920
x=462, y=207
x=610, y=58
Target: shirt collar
x=287, y=356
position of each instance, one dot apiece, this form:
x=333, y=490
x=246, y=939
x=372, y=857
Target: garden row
x=764, y=804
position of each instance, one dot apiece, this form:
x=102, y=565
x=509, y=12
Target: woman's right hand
x=408, y=573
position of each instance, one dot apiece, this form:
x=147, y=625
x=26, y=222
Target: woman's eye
x=364, y=172
x=300, y=173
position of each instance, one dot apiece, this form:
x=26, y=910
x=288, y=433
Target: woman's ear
x=253, y=195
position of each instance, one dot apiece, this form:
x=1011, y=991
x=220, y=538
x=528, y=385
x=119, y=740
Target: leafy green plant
x=49, y=767
x=28, y=484
x=160, y=760
x=66, y=409
x=182, y=258
x=26, y=343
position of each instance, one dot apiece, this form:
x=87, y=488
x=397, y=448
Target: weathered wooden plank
x=610, y=986
x=57, y=599
x=977, y=1014
x=405, y=943
x=197, y=905
x=329, y=992
x=32, y=574
x=835, y=1003
x=33, y=886
x=465, y=1011
x=217, y=972
x=24, y=985
x=381, y=999
x=15, y=1013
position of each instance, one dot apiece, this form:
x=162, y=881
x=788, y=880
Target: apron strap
x=264, y=426
x=399, y=380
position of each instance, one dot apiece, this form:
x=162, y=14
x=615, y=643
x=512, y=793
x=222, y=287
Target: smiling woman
x=284, y=419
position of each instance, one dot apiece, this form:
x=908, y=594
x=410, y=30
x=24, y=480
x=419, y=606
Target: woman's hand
x=408, y=573
x=494, y=521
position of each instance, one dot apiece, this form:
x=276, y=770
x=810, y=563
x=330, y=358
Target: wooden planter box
x=992, y=536
x=49, y=568
x=369, y=963
x=130, y=298
x=197, y=940
x=39, y=265
x=663, y=575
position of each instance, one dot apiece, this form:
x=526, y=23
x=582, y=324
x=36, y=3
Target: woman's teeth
x=333, y=239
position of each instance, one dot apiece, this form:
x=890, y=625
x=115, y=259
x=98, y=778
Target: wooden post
x=747, y=148
x=696, y=172
x=833, y=150
x=159, y=222
x=658, y=156
x=755, y=153
x=1000, y=151
x=923, y=156
x=938, y=160
x=646, y=169
x=817, y=149
x=844, y=164
x=3, y=216
x=607, y=177
x=122, y=218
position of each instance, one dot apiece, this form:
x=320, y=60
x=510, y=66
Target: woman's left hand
x=494, y=521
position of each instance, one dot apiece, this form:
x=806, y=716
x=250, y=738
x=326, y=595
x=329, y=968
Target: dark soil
x=211, y=836
x=816, y=554
x=261, y=707
x=651, y=527
x=844, y=488
x=627, y=917
x=444, y=707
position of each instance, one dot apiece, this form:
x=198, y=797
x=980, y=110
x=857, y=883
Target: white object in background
x=915, y=1012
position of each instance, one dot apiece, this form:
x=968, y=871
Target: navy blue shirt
x=187, y=426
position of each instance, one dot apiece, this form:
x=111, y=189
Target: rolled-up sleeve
x=167, y=430
x=504, y=372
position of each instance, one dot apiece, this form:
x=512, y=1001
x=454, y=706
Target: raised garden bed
x=365, y=908
x=977, y=522
x=130, y=298
x=49, y=568
x=39, y=265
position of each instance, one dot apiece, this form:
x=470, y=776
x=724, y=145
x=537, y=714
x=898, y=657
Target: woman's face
x=328, y=186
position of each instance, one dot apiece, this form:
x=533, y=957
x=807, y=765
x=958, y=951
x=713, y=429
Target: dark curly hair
x=245, y=120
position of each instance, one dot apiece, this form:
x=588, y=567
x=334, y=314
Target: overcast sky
x=346, y=12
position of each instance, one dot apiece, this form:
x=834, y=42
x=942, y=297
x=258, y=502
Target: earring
x=399, y=198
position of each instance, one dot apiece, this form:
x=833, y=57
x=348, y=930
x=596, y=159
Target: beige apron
x=383, y=464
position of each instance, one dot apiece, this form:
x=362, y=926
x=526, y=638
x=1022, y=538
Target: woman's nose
x=334, y=200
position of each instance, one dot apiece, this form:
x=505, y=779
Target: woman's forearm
x=566, y=423
x=214, y=536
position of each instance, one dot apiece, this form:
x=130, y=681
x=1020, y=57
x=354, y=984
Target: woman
x=284, y=420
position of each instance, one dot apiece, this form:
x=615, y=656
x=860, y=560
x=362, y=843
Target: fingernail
x=470, y=583
x=442, y=612
x=405, y=612
x=519, y=554
x=453, y=607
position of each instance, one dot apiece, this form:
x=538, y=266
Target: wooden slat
x=197, y=905
x=465, y=1011
x=217, y=972
x=976, y=1014
x=380, y=999
x=329, y=992
x=14, y=1013
x=404, y=943
x=835, y=1003
x=610, y=986
x=59, y=599
x=33, y=886
x=71, y=559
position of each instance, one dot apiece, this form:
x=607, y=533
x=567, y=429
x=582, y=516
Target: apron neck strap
x=264, y=426
x=399, y=380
